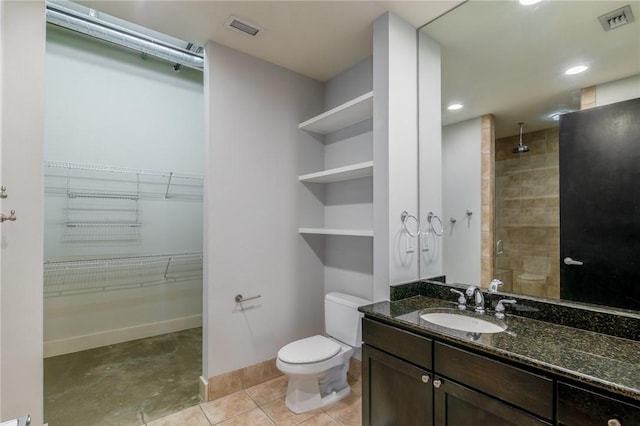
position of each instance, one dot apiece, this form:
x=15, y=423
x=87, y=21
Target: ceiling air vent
x=617, y=18
x=242, y=26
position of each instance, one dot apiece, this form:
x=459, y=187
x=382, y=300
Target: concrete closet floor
x=129, y=383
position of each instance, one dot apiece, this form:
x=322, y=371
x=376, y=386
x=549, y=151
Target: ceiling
x=498, y=57
x=318, y=39
x=506, y=59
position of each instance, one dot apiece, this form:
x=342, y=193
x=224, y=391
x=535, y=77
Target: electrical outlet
x=425, y=241
x=409, y=244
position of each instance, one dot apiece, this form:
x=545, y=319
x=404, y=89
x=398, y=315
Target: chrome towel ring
x=404, y=217
x=430, y=217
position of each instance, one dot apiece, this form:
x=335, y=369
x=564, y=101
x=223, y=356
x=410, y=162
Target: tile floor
x=263, y=404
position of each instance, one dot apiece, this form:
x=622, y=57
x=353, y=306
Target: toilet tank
x=342, y=319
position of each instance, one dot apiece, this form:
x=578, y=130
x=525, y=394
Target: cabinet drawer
x=518, y=387
x=408, y=346
x=580, y=407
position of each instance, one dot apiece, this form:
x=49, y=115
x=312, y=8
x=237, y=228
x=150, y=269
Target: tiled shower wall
x=527, y=214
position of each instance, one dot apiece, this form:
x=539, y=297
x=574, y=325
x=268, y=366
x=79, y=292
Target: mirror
x=508, y=60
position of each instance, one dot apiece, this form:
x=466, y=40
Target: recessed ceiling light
x=576, y=70
x=528, y=2
x=454, y=107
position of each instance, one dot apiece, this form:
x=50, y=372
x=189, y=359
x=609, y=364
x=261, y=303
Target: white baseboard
x=110, y=337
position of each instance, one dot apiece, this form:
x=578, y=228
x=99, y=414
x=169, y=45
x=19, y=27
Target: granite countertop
x=608, y=362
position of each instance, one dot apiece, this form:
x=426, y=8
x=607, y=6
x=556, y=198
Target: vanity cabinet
x=397, y=377
x=398, y=392
x=520, y=388
x=473, y=389
x=581, y=407
x=410, y=379
x=457, y=405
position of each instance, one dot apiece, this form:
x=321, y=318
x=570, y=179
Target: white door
x=21, y=142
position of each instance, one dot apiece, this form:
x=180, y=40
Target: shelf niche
x=342, y=116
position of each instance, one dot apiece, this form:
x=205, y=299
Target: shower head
x=521, y=148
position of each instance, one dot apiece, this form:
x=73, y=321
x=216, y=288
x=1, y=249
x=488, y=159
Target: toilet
x=532, y=284
x=317, y=366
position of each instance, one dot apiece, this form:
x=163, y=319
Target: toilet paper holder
x=240, y=299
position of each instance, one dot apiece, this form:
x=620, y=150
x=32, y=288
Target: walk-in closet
x=123, y=175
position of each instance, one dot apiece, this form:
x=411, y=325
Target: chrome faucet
x=500, y=307
x=478, y=297
x=462, y=301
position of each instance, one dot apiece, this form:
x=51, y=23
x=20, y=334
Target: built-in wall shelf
x=351, y=112
x=353, y=171
x=330, y=231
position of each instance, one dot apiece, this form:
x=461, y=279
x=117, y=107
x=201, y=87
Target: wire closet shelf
x=80, y=180
x=78, y=276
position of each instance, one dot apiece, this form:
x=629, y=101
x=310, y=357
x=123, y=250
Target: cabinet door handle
x=425, y=379
x=614, y=422
x=437, y=383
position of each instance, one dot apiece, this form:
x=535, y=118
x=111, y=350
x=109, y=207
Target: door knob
x=437, y=383
x=570, y=261
x=11, y=217
x=425, y=379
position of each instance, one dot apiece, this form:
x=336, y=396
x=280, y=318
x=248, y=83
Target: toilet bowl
x=317, y=366
x=532, y=284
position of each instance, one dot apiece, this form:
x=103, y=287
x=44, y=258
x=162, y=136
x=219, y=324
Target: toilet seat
x=309, y=350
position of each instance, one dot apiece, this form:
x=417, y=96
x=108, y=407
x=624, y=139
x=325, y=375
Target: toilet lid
x=310, y=349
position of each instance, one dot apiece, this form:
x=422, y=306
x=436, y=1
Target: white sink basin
x=462, y=322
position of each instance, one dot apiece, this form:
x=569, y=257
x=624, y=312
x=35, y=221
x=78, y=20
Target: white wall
x=461, y=147
x=22, y=108
x=430, y=122
x=395, y=151
x=252, y=195
x=618, y=91
x=106, y=105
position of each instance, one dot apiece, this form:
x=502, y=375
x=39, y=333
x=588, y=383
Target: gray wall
x=252, y=193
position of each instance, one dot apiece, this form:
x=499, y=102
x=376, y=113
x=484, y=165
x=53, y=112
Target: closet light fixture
x=529, y=2
x=87, y=21
x=576, y=70
x=455, y=107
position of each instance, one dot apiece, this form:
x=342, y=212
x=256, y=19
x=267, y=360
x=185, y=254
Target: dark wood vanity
x=415, y=376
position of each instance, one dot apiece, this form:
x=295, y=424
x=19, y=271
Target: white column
x=430, y=122
x=395, y=150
